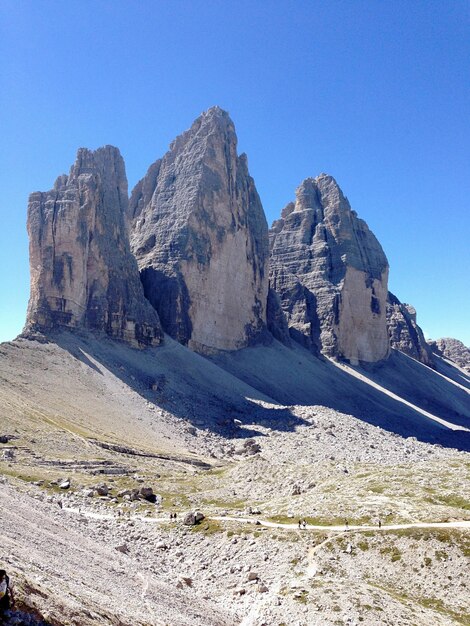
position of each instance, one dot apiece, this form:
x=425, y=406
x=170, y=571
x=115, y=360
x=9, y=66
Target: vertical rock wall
x=83, y=274
x=331, y=274
x=201, y=239
x=405, y=334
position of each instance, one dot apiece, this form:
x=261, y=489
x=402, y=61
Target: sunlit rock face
x=201, y=239
x=452, y=349
x=83, y=274
x=405, y=334
x=331, y=274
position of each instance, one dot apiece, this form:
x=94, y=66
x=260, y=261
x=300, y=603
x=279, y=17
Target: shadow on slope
x=452, y=370
x=424, y=387
x=400, y=395
x=183, y=383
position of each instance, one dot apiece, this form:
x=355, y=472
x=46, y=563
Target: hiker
x=7, y=601
x=380, y=524
x=304, y=524
x=300, y=524
x=346, y=524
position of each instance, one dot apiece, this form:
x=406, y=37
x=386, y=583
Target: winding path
x=465, y=524
x=462, y=524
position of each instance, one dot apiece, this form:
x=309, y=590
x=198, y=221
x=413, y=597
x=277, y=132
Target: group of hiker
x=7, y=600
x=303, y=524
x=173, y=516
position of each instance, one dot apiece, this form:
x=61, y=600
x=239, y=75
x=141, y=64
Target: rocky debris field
x=327, y=469
x=101, y=445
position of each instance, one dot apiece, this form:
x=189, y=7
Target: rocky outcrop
x=452, y=349
x=331, y=274
x=405, y=334
x=201, y=240
x=83, y=274
x=276, y=319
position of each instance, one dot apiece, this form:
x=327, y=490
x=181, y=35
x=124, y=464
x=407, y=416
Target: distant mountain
x=452, y=349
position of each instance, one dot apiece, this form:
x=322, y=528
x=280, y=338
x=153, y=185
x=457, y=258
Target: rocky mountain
x=452, y=349
x=331, y=274
x=83, y=274
x=201, y=239
x=191, y=249
x=405, y=334
x=174, y=485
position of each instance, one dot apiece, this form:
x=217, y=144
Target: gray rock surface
x=82, y=271
x=277, y=321
x=405, y=334
x=452, y=349
x=201, y=239
x=331, y=274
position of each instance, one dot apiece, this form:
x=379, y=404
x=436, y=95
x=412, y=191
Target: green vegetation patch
x=208, y=527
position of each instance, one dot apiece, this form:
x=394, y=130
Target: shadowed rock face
x=83, y=274
x=405, y=334
x=201, y=239
x=331, y=274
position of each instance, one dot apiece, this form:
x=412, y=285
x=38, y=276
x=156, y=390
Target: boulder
x=102, y=489
x=146, y=493
x=192, y=518
x=122, y=548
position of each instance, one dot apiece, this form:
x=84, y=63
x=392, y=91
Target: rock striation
x=83, y=274
x=452, y=349
x=331, y=274
x=405, y=334
x=201, y=239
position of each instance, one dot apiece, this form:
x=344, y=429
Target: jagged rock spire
x=83, y=274
x=331, y=274
x=201, y=239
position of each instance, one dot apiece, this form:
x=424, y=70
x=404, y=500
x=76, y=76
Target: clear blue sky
x=375, y=93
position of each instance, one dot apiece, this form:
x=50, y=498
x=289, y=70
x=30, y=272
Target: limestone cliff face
x=201, y=239
x=83, y=274
x=331, y=274
x=405, y=334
